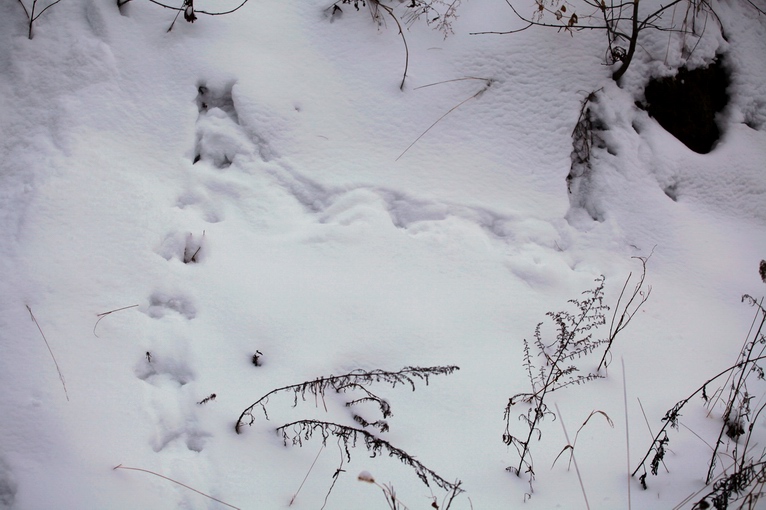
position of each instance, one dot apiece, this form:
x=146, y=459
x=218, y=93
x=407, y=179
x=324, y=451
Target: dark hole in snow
x=686, y=104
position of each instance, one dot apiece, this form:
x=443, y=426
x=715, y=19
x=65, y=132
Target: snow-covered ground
x=271, y=146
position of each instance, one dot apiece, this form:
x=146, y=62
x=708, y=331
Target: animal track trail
x=166, y=367
x=224, y=139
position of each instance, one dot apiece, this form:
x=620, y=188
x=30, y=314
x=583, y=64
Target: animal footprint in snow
x=195, y=440
x=208, y=208
x=161, y=304
x=209, y=98
x=220, y=138
x=185, y=247
x=175, y=425
x=163, y=368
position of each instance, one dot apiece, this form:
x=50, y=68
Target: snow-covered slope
x=248, y=184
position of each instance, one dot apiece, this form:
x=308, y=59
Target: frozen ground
x=269, y=146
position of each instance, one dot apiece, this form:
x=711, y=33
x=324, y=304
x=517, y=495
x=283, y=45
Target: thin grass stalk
x=574, y=459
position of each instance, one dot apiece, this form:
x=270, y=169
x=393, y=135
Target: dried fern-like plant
x=348, y=437
x=302, y=430
x=353, y=381
x=574, y=339
x=560, y=360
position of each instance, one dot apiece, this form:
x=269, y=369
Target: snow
x=321, y=243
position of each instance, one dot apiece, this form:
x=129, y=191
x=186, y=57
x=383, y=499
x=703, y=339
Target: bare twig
x=25, y=8
x=173, y=23
x=61, y=376
x=104, y=314
x=390, y=12
x=120, y=466
x=631, y=308
x=32, y=16
x=335, y=475
x=759, y=9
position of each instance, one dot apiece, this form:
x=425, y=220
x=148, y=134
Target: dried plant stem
x=292, y=500
x=626, y=314
x=120, y=466
x=669, y=417
x=61, y=376
x=718, y=394
x=391, y=498
x=25, y=8
x=174, y=21
x=335, y=475
x=574, y=339
x=649, y=427
x=574, y=459
x=461, y=103
x=450, y=81
x=104, y=314
x=704, y=487
x=736, y=390
x=390, y=12
x=627, y=426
